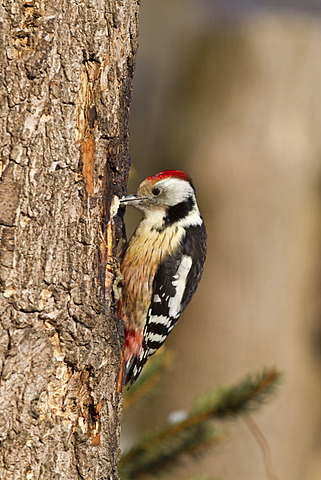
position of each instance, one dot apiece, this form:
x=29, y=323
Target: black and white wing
x=174, y=285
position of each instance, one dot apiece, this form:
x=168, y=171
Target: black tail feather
x=133, y=368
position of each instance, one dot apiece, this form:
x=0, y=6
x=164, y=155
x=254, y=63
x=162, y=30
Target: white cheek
x=175, y=190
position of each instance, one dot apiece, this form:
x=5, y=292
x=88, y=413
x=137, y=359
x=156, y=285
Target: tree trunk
x=67, y=71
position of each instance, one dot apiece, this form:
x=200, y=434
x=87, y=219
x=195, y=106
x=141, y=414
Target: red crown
x=170, y=174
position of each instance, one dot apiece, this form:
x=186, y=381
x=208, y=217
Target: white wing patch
x=159, y=326
x=179, y=283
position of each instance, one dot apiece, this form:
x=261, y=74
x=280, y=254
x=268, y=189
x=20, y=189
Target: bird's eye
x=156, y=191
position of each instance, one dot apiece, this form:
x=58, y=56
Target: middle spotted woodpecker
x=161, y=266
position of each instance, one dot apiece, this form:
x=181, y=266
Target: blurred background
x=230, y=91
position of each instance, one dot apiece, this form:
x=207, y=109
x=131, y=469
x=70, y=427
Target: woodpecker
x=162, y=265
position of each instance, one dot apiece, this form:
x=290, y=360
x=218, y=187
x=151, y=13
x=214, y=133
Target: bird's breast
x=146, y=250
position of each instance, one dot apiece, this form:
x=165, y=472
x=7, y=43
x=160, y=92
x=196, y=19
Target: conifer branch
x=245, y=397
x=158, y=458
x=161, y=450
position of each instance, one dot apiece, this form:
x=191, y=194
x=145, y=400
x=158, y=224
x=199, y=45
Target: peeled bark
x=66, y=81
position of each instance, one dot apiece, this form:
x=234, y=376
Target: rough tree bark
x=66, y=78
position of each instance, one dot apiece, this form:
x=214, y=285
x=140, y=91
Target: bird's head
x=162, y=191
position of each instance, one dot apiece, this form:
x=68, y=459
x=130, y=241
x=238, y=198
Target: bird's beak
x=132, y=199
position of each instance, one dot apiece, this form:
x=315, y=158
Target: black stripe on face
x=179, y=211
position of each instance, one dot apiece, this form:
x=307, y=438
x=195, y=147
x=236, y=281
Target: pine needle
x=244, y=397
x=160, y=451
x=163, y=456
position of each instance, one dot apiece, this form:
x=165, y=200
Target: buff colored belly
x=146, y=250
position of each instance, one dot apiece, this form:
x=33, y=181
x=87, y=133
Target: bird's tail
x=134, y=367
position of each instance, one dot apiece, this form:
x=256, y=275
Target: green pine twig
x=162, y=457
x=161, y=450
x=244, y=397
